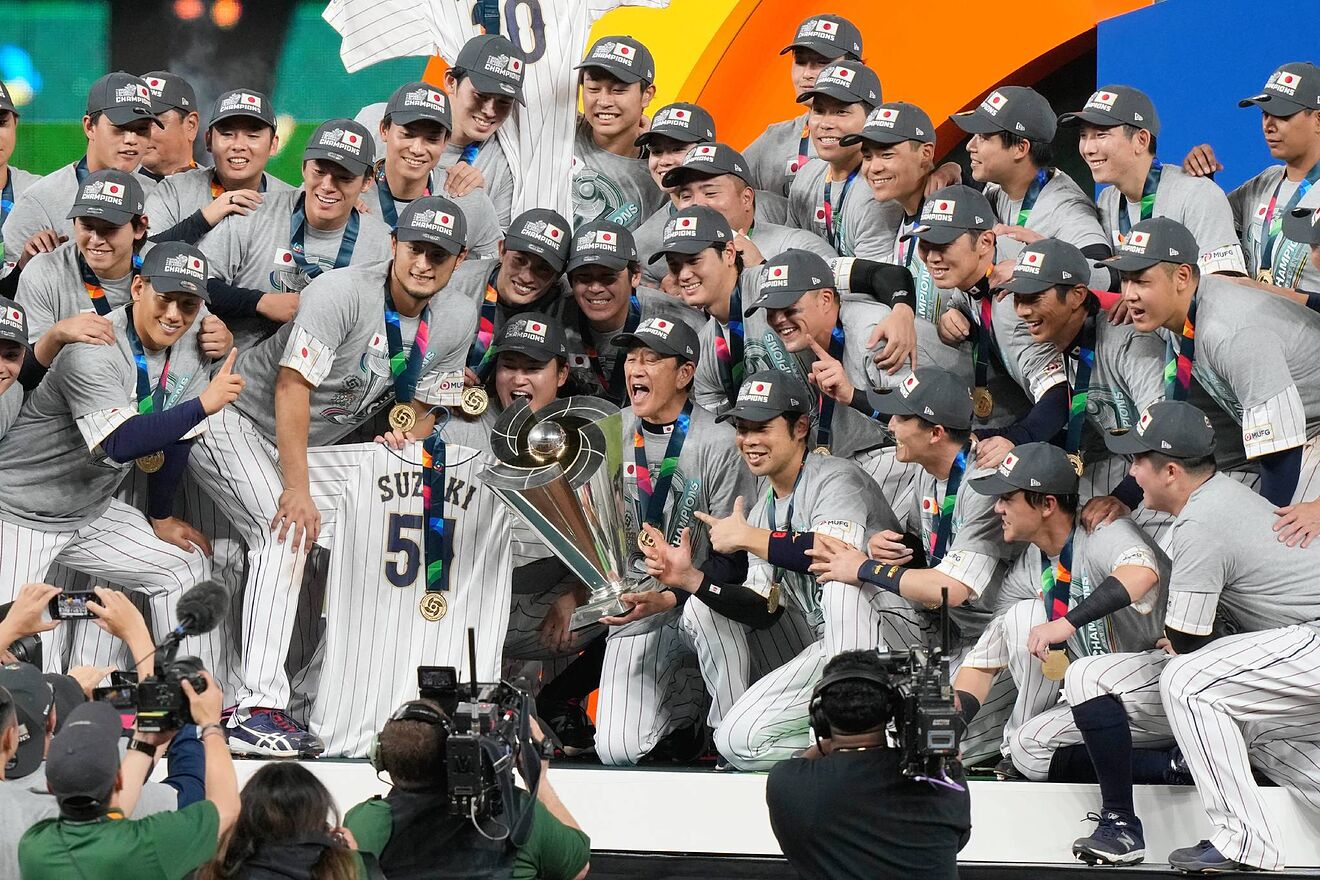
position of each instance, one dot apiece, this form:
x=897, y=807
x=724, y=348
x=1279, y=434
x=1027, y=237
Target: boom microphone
x=200, y=609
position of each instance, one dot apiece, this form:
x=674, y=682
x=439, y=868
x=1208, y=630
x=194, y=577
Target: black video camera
x=159, y=701
x=927, y=725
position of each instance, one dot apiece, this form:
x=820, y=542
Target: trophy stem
x=603, y=602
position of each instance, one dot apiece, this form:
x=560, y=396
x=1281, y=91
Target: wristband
x=137, y=745
x=789, y=550
x=1107, y=598
x=207, y=728
x=882, y=575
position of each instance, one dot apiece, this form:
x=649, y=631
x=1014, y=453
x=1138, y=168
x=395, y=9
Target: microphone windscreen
x=200, y=609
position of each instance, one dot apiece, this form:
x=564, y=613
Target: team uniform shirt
x=1195, y=202
x=1061, y=211
x=607, y=186
x=51, y=289
x=1226, y=555
x=11, y=401
x=180, y=195
x=54, y=476
x=493, y=164
x=931, y=301
x=18, y=183
x=484, y=230
x=864, y=227
x=338, y=343
x=44, y=204
x=772, y=158
x=254, y=251
x=1290, y=261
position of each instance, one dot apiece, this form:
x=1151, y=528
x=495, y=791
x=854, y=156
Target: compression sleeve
x=146, y=433
x=1107, y=598
x=738, y=603
x=1048, y=417
x=163, y=484
x=1129, y=492
x=1185, y=643
x=1278, y=475
x=32, y=371
x=190, y=230
x=885, y=283
x=230, y=301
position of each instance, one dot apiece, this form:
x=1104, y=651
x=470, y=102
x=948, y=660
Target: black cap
x=623, y=58
x=1017, y=110
x=668, y=336
x=418, y=102
x=687, y=123
x=345, y=142
x=769, y=393
x=84, y=758
x=534, y=334
x=692, y=230
x=929, y=393
x=173, y=266
x=122, y=98
x=1157, y=240
x=111, y=195
x=247, y=103
x=1045, y=263
x=601, y=243
x=13, y=322
x=705, y=161
x=7, y=100
x=1170, y=427
x=169, y=91
x=1035, y=467
x=831, y=36
x=1302, y=225
x=788, y=276
x=68, y=696
x=1117, y=105
x=951, y=211
x=1292, y=88
x=543, y=232
x=494, y=65
x=851, y=82
x=893, y=123
x=434, y=219
x=32, y=699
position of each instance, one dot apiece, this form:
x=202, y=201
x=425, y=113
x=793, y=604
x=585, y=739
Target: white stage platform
x=679, y=811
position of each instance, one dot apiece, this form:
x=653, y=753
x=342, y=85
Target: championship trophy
x=561, y=470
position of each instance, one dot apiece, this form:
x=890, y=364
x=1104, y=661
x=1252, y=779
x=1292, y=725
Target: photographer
x=845, y=809
x=413, y=832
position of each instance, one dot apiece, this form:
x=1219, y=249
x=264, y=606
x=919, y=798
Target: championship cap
x=705, y=161
x=1170, y=427
x=84, y=758
x=1046, y=263
x=418, y=102
x=1034, y=467
x=688, y=123
x=832, y=36
x=534, y=334
x=494, y=65
x=247, y=103
x=122, y=98
x=1302, y=225
x=111, y=195
x=433, y=219
x=1017, y=110
x=1117, y=105
x=178, y=267
x=32, y=699
x=950, y=212
x=602, y=243
x=169, y=91
x=6, y=100
x=68, y=695
x=893, y=123
x=623, y=58
x=1157, y=240
x=851, y=82
x=344, y=142
x=929, y=393
x=543, y=232
x=13, y=322
x=1292, y=88
x=788, y=276
x=692, y=230
x=669, y=336
x=769, y=393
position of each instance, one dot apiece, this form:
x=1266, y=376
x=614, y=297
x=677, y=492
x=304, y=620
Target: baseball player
x=1302, y=225
x=262, y=260
x=780, y=151
x=15, y=180
x=13, y=351
x=170, y=150
x=673, y=130
x=1119, y=128
x=610, y=182
x=349, y=351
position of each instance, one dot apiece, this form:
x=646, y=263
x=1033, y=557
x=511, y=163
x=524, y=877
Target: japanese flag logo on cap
x=250, y=101
x=14, y=315
x=757, y=392
x=909, y=385
x=686, y=223
x=114, y=189
x=155, y=83
x=659, y=326
x=994, y=103
x=704, y=151
x=1284, y=81
x=623, y=50
x=825, y=26
x=143, y=93
x=887, y=113
x=553, y=232
x=779, y=273
x=537, y=329
x=1144, y=423
x=604, y=236
x=1103, y=99
x=1136, y=242
x=1010, y=461
x=680, y=115
x=445, y=220
x=842, y=74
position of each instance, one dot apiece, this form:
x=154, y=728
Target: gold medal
x=1076, y=460
x=644, y=540
x=402, y=417
x=1055, y=665
x=149, y=464
x=1265, y=276
x=821, y=450
x=983, y=402
x=772, y=600
x=474, y=400
x=433, y=606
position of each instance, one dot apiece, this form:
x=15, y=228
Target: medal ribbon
x=833, y=234
x=942, y=528
x=1056, y=584
x=1273, y=223
x=436, y=539
x=614, y=382
x=729, y=354
x=387, y=210
x=651, y=499
x=470, y=152
x=217, y=189
x=1179, y=353
x=80, y=170
x=906, y=248
x=95, y=290
x=984, y=337
x=1147, y=200
x=1081, y=388
x=824, y=430
x=480, y=357
x=777, y=573
x=148, y=401
x=298, y=230
x=1033, y=193
x=405, y=368
x=7, y=197
x=804, y=140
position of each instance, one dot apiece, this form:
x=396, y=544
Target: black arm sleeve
x=1097, y=252
x=150, y=432
x=738, y=603
x=1107, y=598
x=9, y=284
x=885, y=283
x=1312, y=300
x=1129, y=492
x=1184, y=643
x=32, y=371
x=1278, y=475
x=189, y=230
x=230, y=301
x=162, y=485
x=1047, y=418
x=725, y=568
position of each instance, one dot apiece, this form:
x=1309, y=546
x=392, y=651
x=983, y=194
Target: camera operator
x=845, y=809
x=413, y=832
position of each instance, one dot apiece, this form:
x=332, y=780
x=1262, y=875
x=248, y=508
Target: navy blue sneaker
x=1204, y=859
x=271, y=733
x=1116, y=841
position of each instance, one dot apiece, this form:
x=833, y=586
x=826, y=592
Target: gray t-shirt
x=181, y=195
x=10, y=403
x=610, y=187
x=45, y=204
x=337, y=341
x=1290, y=261
x=864, y=227
x=1061, y=211
x=19, y=182
x=54, y=476
x=773, y=157
x=51, y=289
x=494, y=168
x=483, y=227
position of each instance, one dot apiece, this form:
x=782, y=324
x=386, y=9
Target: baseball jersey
x=255, y=251
x=607, y=186
x=337, y=341
x=18, y=183
x=11, y=401
x=866, y=227
x=1195, y=202
x=772, y=158
x=44, y=204
x=1226, y=554
x=180, y=195
x=1061, y=211
x=51, y=289
x=495, y=172
x=53, y=474
x=1290, y=261
x=483, y=227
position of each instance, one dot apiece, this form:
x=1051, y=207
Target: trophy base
x=591, y=613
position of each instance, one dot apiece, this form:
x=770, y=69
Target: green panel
x=44, y=146
x=288, y=164
x=65, y=43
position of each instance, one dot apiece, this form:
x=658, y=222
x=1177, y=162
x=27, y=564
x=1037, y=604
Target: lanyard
x=405, y=369
x=1178, y=355
x=804, y=141
x=148, y=401
x=1081, y=387
x=1273, y=223
x=1147, y=200
x=824, y=431
x=1033, y=193
x=777, y=572
x=833, y=232
x=729, y=354
x=985, y=332
x=387, y=210
x=7, y=197
x=470, y=152
x=651, y=498
x=1056, y=584
x=480, y=355
x=942, y=528
x=80, y=170
x=298, y=229
x=436, y=540
x=95, y=290
x=217, y=188
x=613, y=384
x=906, y=248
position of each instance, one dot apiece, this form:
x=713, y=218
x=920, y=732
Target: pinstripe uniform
x=184, y=193
x=869, y=227
x=1290, y=261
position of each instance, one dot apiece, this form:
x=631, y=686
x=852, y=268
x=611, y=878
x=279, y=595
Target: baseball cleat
x=1204, y=858
x=1117, y=841
x=271, y=733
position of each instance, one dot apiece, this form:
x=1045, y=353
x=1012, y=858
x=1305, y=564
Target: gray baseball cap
x=33, y=699
x=1302, y=225
x=831, y=36
x=434, y=219
x=111, y=195
x=1117, y=105
x=601, y=243
x=68, y=696
x=688, y=123
x=665, y=335
x=13, y=322
x=1017, y=110
x=1046, y=263
x=122, y=98
x=929, y=393
x=543, y=232
x=692, y=230
x=84, y=757
x=1034, y=467
x=851, y=82
x=951, y=211
x=1170, y=427
x=769, y=393
x=1292, y=88
x=494, y=65
x=623, y=58
x=705, y=161
x=788, y=276
x=173, y=266
x=169, y=91
x=1157, y=240
x=247, y=103
x=344, y=142
x=892, y=123
x=7, y=100
x=534, y=334
x=419, y=102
